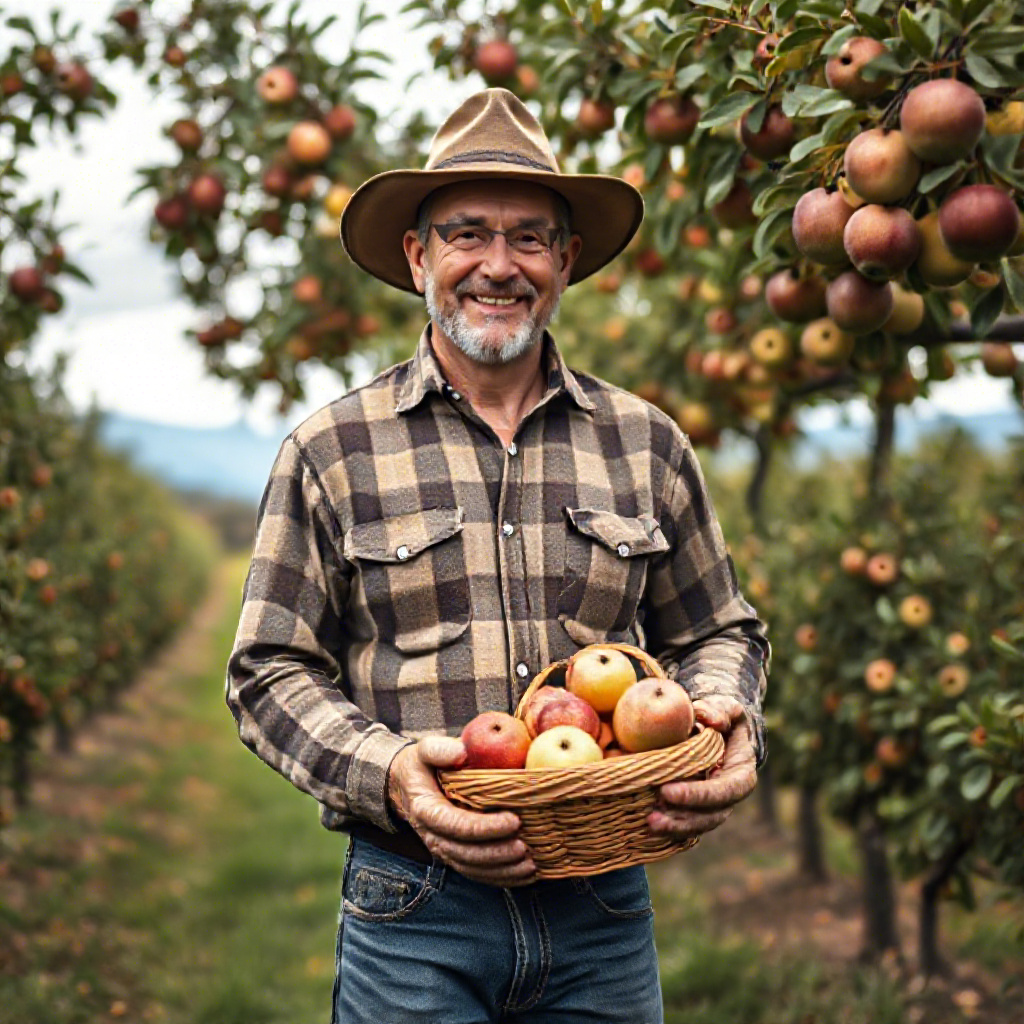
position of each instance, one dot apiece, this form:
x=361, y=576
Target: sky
x=125, y=336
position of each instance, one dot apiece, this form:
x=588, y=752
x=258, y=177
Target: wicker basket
x=590, y=818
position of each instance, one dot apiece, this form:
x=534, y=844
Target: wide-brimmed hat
x=492, y=135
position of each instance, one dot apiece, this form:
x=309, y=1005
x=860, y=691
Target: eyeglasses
x=476, y=238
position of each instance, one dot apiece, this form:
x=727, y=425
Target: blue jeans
x=426, y=944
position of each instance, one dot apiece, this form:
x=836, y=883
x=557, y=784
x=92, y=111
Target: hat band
x=493, y=156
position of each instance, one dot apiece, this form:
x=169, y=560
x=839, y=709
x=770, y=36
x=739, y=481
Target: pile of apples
x=605, y=710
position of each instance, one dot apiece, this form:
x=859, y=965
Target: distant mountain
x=234, y=462
x=230, y=462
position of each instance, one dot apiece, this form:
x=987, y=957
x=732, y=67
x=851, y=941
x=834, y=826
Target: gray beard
x=471, y=341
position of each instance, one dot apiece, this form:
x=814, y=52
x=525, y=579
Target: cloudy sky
x=125, y=336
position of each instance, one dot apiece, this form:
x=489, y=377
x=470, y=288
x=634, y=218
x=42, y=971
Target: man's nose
x=498, y=262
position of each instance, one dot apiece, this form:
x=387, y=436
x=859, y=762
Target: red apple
x=537, y=702
x=278, y=85
x=495, y=739
x=572, y=710
x=207, y=193
x=652, y=714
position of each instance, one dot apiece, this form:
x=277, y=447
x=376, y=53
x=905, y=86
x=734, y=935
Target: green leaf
x=1006, y=649
x=805, y=147
x=688, y=77
x=983, y=71
x=912, y=31
x=937, y=176
x=1013, y=275
x=718, y=5
x=1003, y=790
x=729, y=109
x=836, y=40
x=829, y=102
x=720, y=177
x=986, y=311
x=974, y=785
x=769, y=231
x=973, y=10
x=800, y=37
x=777, y=197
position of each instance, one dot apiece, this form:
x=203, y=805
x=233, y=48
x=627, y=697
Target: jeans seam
x=522, y=956
x=545, y=954
x=626, y=915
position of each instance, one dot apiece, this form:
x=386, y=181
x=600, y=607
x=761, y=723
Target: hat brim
x=606, y=213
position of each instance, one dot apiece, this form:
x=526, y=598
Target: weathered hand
x=483, y=847
x=696, y=806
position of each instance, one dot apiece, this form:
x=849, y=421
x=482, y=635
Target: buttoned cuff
x=367, y=781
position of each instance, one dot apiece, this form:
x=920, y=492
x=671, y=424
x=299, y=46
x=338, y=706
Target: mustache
x=513, y=291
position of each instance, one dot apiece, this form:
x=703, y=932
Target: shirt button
x=623, y=550
x=522, y=670
x=512, y=449
x=402, y=553
x=508, y=529
x=456, y=396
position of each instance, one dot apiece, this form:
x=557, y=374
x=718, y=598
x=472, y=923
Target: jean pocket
x=383, y=887
x=623, y=893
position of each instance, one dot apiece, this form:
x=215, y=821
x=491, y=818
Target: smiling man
x=429, y=542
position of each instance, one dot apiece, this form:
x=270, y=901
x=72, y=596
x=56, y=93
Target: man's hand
x=696, y=806
x=483, y=847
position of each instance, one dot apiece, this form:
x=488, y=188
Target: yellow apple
x=600, y=675
x=562, y=747
x=652, y=714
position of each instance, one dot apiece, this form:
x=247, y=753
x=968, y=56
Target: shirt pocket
x=413, y=580
x=606, y=561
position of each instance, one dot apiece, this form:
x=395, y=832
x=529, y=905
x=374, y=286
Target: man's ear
x=415, y=253
x=569, y=254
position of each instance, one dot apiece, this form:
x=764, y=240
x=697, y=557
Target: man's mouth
x=494, y=300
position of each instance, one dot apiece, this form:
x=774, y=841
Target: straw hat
x=492, y=135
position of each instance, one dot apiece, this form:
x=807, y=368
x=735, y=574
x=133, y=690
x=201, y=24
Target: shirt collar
x=425, y=375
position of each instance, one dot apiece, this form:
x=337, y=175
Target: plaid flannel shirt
x=410, y=571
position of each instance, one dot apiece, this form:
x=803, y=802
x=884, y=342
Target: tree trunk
x=810, y=845
x=880, y=931
x=881, y=450
x=766, y=799
x=63, y=740
x=929, y=958
x=755, y=489
x=20, y=774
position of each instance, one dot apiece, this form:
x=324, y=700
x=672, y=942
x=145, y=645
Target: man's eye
x=526, y=238
x=469, y=234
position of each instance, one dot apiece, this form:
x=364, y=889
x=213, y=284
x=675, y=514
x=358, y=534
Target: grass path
x=166, y=875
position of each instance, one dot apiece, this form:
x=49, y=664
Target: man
x=432, y=540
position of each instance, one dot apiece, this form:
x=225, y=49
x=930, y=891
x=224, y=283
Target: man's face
x=458, y=285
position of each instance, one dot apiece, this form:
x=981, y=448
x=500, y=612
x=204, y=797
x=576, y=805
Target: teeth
x=496, y=302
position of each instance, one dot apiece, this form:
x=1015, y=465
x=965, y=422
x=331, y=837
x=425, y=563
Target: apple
x=595, y=117
x=770, y=346
x=953, y=680
x=671, y=120
x=600, y=675
x=765, y=51
x=891, y=752
x=307, y=289
x=340, y=122
x=11, y=84
x=880, y=166
x=794, y=298
x=819, y=220
x=843, y=69
x=128, y=19
x=187, y=134
x=915, y=611
x=572, y=710
x=773, y=139
x=957, y=644
x=175, y=56
x=998, y=358
x=26, y=283
x=527, y=80
x=736, y=210
x=823, y=342
x=907, y=312
x=277, y=180
x=207, y=194
x=74, y=81
x=564, y=746
x=538, y=700
x=853, y=560
x=979, y=222
x=880, y=675
x=606, y=737
x=652, y=714
x=943, y=120
x=495, y=739
x=856, y=304
x=882, y=241
x=277, y=85
x=806, y=637
x=309, y=142
x=496, y=60
x=882, y=569
x=936, y=265
x=650, y=263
